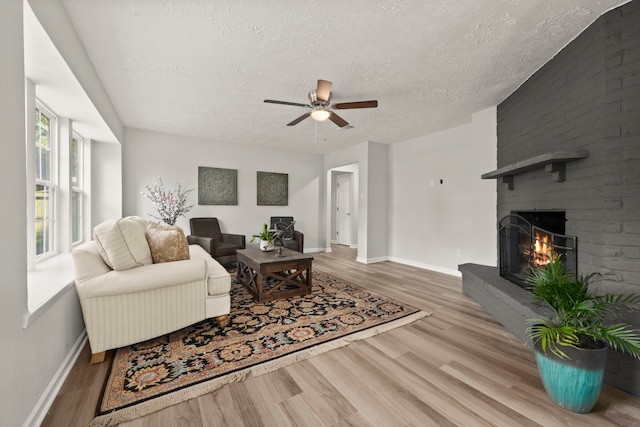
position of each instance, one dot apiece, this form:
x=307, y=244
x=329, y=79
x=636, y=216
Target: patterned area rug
x=260, y=337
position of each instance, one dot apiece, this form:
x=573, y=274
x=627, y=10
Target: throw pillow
x=122, y=243
x=167, y=243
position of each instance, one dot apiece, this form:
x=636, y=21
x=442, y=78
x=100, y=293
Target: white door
x=343, y=206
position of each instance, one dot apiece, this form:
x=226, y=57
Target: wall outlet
x=459, y=253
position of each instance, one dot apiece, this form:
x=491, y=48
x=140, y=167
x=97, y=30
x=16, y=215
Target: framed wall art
x=217, y=186
x=273, y=189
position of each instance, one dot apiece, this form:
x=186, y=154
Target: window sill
x=50, y=280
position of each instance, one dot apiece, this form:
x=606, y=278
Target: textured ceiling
x=203, y=68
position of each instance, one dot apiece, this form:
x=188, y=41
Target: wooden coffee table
x=269, y=275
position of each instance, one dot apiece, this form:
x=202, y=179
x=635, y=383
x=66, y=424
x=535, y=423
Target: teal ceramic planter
x=573, y=384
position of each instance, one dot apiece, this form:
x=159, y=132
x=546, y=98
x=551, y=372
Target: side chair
x=290, y=237
x=222, y=246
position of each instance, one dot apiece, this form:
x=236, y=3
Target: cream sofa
x=139, y=299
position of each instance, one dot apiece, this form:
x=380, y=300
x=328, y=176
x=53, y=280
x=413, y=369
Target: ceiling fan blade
x=338, y=120
x=324, y=90
x=295, y=104
x=350, y=105
x=299, y=119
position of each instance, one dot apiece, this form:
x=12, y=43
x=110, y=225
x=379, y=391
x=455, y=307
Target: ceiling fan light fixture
x=320, y=114
x=321, y=109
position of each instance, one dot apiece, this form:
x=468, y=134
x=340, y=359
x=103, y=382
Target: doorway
x=343, y=209
x=350, y=228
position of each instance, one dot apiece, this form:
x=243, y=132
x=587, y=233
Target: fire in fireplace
x=528, y=238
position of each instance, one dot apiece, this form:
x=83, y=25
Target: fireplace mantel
x=553, y=162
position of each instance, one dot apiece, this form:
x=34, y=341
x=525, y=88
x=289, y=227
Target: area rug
x=260, y=338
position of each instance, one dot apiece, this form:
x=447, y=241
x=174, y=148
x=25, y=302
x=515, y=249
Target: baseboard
x=435, y=268
x=311, y=250
x=43, y=404
x=372, y=260
x=351, y=245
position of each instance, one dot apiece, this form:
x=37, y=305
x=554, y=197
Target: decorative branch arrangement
x=170, y=204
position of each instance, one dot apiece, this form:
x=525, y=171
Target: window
x=45, y=203
x=76, y=189
x=58, y=217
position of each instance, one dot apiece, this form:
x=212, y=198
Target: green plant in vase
x=266, y=237
x=571, y=343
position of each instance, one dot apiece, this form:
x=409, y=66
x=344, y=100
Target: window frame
x=51, y=182
x=76, y=162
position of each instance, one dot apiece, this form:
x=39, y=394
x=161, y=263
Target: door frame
x=344, y=236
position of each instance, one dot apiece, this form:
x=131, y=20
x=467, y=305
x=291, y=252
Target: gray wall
x=586, y=97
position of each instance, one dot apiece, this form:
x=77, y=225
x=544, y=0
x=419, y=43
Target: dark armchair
x=222, y=246
x=289, y=237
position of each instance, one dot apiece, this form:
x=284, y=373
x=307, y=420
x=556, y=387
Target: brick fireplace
x=569, y=141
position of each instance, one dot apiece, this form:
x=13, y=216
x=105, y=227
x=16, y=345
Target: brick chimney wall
x=586, y=98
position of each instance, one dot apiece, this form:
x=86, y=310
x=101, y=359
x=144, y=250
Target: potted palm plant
x=266, y=237
x=571, y=344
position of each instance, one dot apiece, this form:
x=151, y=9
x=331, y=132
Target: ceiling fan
x=321, y=109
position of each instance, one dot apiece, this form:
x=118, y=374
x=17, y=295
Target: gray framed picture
x=273, y=189
x=217, y=186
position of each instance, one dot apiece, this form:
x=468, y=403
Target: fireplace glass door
x=527, y=240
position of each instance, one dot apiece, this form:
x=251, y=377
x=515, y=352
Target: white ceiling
x=203, y=68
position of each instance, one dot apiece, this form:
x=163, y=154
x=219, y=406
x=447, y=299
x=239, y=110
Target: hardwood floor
x=458, y=367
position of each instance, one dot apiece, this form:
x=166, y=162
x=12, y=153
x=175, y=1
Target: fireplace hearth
x=528, y=238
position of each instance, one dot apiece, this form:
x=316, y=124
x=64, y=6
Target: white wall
x=34, y=357
x=373, y=196
x=378, y=190
x=54, y=19
x=357, y=154
x=484, y=193
x=429, y=223
x=147, y=155
x=31, y=356
x=106, y=182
